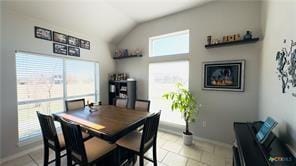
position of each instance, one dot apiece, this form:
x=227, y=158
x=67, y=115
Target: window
x=169, y=44
x=41, y=87
x=163, y=78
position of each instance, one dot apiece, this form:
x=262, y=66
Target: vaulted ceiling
x=110, y=20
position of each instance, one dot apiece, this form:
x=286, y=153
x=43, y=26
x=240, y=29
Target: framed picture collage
x=62, y=44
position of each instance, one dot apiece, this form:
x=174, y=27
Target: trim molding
x=20, y=154
x=197, y=138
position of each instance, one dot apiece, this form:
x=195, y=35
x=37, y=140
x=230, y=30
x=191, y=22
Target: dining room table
x=107, y=122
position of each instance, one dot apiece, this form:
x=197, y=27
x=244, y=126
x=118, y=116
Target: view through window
x=41, y=87
x=163, y=78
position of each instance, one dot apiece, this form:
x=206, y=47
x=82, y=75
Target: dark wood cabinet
x=123, y=89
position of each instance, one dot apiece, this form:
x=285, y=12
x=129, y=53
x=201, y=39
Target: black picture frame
x=60, y=37
x=85, y=44
x=73, y=51
x=224, y=75
x=73, y=41
x=42, y=33
x=60, y=49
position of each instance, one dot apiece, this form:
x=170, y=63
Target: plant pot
x=187, y=138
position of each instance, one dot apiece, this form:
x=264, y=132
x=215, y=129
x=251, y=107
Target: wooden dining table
x=106, y=121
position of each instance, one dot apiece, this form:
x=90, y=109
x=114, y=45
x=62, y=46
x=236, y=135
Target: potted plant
x=184, y=102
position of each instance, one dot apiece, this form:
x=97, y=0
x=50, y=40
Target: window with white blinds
x=44, y=82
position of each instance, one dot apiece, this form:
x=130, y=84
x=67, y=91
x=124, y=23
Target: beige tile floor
x=170, y=152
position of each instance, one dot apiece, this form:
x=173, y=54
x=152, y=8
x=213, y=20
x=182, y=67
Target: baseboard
x=198, y=138
x=20, y=154
x=291, y=150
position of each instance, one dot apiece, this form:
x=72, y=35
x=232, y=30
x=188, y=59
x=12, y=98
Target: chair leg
x=141, y=159
x=46, y=155
x=154, y=155
x=69, y=159
x=58, y=158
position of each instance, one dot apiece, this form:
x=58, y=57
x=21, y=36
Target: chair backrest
x=75, y=104
x=48, y=129
x=149, y=134
x=142, y=105
x=74, y=141
x=120, y=102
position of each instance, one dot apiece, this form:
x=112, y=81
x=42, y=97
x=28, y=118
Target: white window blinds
x=41, y=87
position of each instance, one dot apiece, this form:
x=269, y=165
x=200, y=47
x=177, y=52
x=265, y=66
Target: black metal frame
x=49, y=134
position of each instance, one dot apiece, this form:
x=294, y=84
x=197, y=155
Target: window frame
x=36, y=137
x=151, y=39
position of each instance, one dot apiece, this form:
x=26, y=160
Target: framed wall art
x=60, y=49
x=85, y=44
x=224, y=75
x=73, y=51
x=73, y=41
x=43, y=33
x=60, y=38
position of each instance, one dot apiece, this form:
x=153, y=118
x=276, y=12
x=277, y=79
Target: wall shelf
x=253, y=40
x=130, y=56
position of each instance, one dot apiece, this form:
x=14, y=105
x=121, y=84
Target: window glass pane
x=27, y=118
x=80, y=77
x=163, y=78
x=170, y=44
x=40, y=87
x=38, y=77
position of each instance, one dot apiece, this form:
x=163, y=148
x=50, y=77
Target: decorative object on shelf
x=84, y=44
x=230, y=38
x=137, y=52
x=60, y=49
x=286, y=66
x=237, y=37
x=73, y=41
x=60, y=38
x=225, y=39
x=124, y=53
x=118, y=76
x=209, y=39
x=43, y=33
x=248, y=35
x=184, y=102
x=224, y=75
x=73, y=51
x=228, y=43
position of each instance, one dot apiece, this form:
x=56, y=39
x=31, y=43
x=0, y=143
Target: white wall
x=220, y=109
x=18, y=34
x=278, y=24
x=0, y=78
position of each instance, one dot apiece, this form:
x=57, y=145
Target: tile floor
x=170, y=152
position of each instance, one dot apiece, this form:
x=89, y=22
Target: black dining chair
x=77, y=104
x=142, y=105
x=85, y=153
x=140, y=143
x=122, y=103
x=51, y=139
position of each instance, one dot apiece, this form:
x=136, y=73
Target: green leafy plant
x=184, y=102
